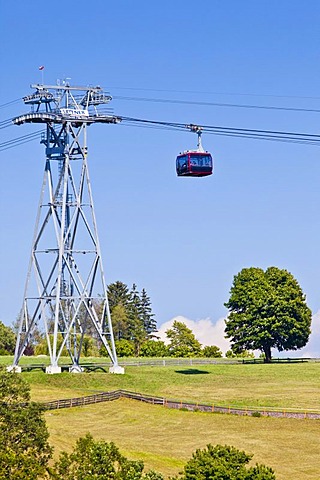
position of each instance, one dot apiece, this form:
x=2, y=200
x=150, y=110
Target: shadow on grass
x=192, y=371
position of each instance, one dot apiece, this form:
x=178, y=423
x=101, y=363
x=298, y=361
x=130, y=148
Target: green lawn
x=166, y=438
x=285, y=386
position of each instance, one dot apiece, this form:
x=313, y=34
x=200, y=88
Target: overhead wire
x=215, y=104
x=7, y=104
x=231, y=134
x=6, y=123
x=234, y=94
x=271, y=135
x=292, y=137
x=239, y=132
x=20, y=140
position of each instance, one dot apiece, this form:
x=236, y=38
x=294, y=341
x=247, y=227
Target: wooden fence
x=179, y=405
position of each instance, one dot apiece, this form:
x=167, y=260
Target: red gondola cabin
x=194, y=164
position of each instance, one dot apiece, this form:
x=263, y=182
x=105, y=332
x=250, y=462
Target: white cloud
x=206, y=331
x=212, y=333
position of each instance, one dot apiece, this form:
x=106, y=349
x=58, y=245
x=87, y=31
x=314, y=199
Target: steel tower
x=65, y=292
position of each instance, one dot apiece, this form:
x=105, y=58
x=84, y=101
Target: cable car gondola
x=194, y=163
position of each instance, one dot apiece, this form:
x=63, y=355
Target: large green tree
x=24, y=447
x=183, y=342
x=223, y=463
x=93, y=459
x=267, y=309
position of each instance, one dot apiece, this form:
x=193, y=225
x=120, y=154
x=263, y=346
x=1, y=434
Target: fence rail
x=178, y=405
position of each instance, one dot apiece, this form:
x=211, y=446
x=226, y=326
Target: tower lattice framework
x=65, y=293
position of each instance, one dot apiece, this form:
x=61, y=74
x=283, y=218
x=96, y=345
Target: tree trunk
x=267, y=353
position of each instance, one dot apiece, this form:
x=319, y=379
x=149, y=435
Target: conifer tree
x=148, y=319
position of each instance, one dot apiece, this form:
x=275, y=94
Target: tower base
x=116, y=369
x=75, y=369
x=53, y=369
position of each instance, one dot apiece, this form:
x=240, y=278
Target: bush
x=153, y=348
x=211, y=351
x=124, y=348
x=223, y=462
x=244, y=354
x=99, y=459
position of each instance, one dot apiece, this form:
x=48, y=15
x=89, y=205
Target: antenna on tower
x=65, y=291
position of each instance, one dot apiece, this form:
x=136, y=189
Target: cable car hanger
x=194, y=163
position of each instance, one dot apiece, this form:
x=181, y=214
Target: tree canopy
x=183, y=342
x=99, y=460
x=223, y=463
x=267, y=309
x=24, y=448
x=131, y=312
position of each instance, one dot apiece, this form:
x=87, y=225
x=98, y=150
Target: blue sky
x=181, y=239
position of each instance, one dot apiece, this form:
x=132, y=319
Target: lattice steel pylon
x=65, y=291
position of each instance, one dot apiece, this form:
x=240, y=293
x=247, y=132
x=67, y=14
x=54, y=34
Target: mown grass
x=285, y=386
x=165, y=439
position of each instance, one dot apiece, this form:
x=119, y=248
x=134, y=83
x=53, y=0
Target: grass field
x=285, y=386
x=165, y=438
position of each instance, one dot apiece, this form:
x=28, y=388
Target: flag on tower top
x=41, y=67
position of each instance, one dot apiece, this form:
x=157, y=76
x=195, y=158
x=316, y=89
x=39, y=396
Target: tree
x=267, y=310
x=223, y=463
x=42, y=347
x=100, y=460
x=211, y=351
x=154, y=348
x=147, y=316
x=131, y=313
x=244, y=354
x=119, y=321
x=118, y=293
x=24, y=447
x=125, y=348
x=183, y=343
x=7, y=340
x=137, y=331
x=34, y=338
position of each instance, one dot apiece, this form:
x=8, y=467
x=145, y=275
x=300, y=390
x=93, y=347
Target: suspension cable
x=271, y=135
x=215, y=104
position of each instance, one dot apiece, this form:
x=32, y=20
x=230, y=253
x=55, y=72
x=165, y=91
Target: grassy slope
x=165, y=438
x=288, y=386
